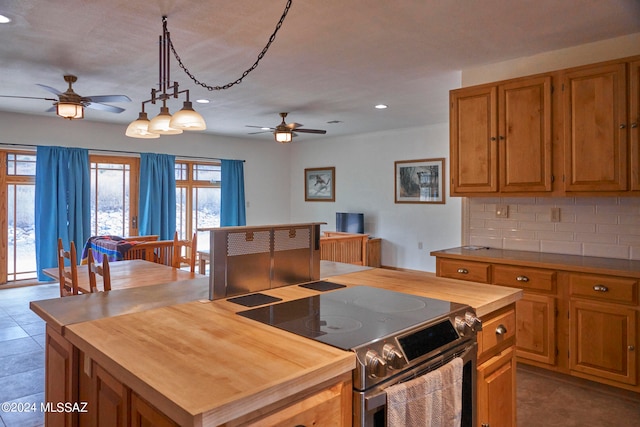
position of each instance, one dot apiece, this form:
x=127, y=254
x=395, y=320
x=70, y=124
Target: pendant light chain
x=250, y=69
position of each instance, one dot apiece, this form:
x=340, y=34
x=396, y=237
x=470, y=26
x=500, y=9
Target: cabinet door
x=524, y=135
x=473, y=144
x=61, y=376
x=536, y=328
x=595, y=128
x=496, y=391
x=634, y=119
x=603, y=340
x=145, y=415
x=110, y=399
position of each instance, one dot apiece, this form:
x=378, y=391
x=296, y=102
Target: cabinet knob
x=493, y=138
x=522, y=279
x=600, y=288
x=622, y=126
x=463, y=271
x=485, y=425
x=501, y=330
x=631, y=348
x=634, y=125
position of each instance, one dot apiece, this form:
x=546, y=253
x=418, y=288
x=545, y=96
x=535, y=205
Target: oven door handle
x=379, y=398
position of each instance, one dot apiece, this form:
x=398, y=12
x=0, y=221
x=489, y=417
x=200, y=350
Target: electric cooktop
x=350, y=317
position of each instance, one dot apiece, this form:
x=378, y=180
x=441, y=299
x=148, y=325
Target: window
x=19, y=192
x=197, y=199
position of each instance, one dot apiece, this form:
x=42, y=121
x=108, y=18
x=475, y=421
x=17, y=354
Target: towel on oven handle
x=431, y=400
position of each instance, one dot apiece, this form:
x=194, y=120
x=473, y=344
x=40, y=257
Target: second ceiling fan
x=284, y=132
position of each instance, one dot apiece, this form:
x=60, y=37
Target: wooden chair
x=190, y=252
x=160, y=252
x=68, y=278
x=100, y=270
x=150, y=238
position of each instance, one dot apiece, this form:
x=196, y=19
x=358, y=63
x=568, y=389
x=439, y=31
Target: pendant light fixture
x=163, y=123
x=187, y=118
x=283, y=134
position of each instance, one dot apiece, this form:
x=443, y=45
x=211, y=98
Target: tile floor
x=544, y=399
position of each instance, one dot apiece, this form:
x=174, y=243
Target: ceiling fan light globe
x=70, y=110
x=283, y=137
x=160, y=124
x=140, y=128
x=187, y=119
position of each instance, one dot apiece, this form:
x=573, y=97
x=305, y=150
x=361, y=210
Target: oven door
x=369, y=407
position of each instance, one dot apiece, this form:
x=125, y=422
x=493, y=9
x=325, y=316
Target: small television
x=347, y=222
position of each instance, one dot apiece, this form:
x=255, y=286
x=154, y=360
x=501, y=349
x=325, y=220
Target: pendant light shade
x=187, y=119
x=160, y=123
x=140, y=128
x=70, y=110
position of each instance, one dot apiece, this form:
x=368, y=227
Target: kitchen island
x=198, y=363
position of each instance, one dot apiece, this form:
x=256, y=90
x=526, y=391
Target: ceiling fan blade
x=50, y=89
x=104, y=107
x=259, y=127
x=294, y=125
x=256, y=133
x=319, y=131
x=107, y=98
x=28, y=97
x=50, y=110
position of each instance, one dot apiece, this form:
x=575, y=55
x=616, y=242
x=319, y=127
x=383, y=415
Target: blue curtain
x=232, y=211
x=157, y=207
x=62, y=206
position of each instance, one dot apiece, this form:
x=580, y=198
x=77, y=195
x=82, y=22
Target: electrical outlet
x=502, y=211
x=555, y=214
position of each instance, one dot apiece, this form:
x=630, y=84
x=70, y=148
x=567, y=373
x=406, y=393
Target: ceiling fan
x=70, y=105
x=285, y=131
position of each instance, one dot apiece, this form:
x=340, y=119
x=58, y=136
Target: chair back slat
x=68, y=278
x=185, y=252
x=99, y=270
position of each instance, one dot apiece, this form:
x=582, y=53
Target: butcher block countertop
x=577, y=263
x=200, y=363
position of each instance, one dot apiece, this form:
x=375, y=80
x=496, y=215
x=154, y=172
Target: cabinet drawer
x=465, y=270
x=525, y=278
x=495, y=331
x=604, y=288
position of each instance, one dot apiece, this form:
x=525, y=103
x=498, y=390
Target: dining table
x=130, y=274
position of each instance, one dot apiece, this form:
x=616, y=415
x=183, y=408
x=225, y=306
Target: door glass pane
x=110, y=201
x=205, y=213
x=21, y=259
x=181, y=212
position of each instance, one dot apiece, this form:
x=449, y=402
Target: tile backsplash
x=592, y=226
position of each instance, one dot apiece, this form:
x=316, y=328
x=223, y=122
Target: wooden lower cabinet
x=535, y=328
x=495, y=379
x=61, y=361
x=603, y=341
x=584, y=324
x=145, y=415
x=496, y=382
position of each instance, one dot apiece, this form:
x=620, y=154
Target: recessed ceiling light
x=381, y=106
x=4, y=19
x=202, y=101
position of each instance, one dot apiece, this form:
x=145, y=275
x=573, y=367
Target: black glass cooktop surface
x=348, y=318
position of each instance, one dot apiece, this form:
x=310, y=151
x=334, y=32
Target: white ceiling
x=332, y=60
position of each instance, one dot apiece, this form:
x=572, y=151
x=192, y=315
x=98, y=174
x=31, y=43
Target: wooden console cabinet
x=350, y=248
x=578, y=315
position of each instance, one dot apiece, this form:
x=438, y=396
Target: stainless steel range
x=396, y=337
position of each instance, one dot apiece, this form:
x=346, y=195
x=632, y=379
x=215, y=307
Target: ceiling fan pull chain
x=250, y=69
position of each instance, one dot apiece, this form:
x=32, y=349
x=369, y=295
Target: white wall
x=364, y=182
x=266, y=163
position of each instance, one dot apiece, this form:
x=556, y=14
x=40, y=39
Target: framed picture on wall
x=419, y=181
x=320, y=184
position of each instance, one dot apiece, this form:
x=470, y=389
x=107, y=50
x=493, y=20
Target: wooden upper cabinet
x=524, y=135
x=595, y=128
x=501, y=137
x=473, y=145
x=634, y=127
